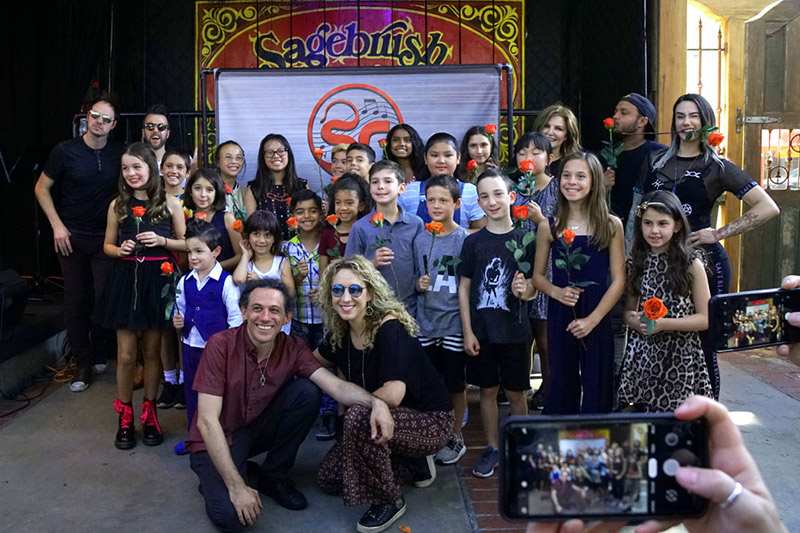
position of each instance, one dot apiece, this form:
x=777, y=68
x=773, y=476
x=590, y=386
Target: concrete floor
x=59, y=470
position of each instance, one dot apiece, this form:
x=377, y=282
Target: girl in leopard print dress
x=664, y=367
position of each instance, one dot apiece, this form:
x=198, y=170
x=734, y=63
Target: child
x=174, y=169
x=207, y=302
x=490, y=296
x=351, y=201
x=442, y=157
x=578, y=328
x=360, y=158
x=395, y=234
x=541, y=201
x=663, y=368
x=230, y=162
x=404, y=147
x=339, y=160
x=143, y=226
x=261, y=253
x=206, y=194
x=479, y=146
x=437, y=302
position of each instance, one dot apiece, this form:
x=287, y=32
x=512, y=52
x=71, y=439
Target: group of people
x=407, y=278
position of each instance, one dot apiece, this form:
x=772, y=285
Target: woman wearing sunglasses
x=372, y=341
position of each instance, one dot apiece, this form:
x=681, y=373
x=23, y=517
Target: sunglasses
x=354, y=290
x=107, y=119
x=149, y=126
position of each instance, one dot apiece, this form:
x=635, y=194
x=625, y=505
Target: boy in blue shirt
x=387, y=233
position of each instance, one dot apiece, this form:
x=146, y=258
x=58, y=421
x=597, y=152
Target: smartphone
x=599, y=467
x=752, y=319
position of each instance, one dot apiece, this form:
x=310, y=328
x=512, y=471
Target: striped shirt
x=305, y=311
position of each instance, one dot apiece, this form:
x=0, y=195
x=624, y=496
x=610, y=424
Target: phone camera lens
x=671, y=439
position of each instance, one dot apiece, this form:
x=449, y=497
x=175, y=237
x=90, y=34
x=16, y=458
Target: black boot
x=152, y=431
x=126, y=434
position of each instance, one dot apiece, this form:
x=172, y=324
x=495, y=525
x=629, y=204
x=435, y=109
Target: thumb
x=715, y=485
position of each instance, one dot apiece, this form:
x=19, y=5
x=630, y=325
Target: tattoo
x=747, y=222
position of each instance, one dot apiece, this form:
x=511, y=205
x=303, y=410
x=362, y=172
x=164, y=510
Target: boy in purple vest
x=207, y=302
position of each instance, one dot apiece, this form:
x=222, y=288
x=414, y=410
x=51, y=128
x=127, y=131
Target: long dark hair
x=436, y=138
x=355, y=183
x=263, y=180
x=707, y=118
x=476, y=130
x=417, y=149
x=156, y=197
x=213, y=177
x=263, y=220
x=680, y=253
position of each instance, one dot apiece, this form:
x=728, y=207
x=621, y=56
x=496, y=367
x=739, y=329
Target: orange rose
x=376, y=220
x=471, y=165
x=318, y=153
x=332, y=219
x=382, y=143
x=139, y=211
x=654, y=309
x=715, y=139
x=527, y=166
x=434, y=228
x=608, y=123
x=568, y=236
x=519, y=212
x=237, y=225
x=334, y=179
x=228, y=189
x=491, y=129
x=292, y=222
x=201, y=216
x=167, y=268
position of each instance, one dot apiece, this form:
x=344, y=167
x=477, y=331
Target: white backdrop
x=319, y=108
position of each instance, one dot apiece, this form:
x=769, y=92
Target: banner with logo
x=317, y=109
x=295, y=35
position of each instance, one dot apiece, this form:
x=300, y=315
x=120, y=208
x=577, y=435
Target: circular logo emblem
x=351, y=113
x=687, y=209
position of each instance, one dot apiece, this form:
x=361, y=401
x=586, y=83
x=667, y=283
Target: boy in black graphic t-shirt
x=490, y=294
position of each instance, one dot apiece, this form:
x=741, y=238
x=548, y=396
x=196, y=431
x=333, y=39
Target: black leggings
x=719, y=282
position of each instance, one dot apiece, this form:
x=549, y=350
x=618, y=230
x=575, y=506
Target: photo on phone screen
x=753, y=319
x=564, y=468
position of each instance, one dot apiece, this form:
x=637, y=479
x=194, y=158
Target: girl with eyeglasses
x=275, y=182
x=230, y=162
x=372, y=341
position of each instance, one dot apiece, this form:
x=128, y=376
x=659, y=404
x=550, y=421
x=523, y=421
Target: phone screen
x=745, y=320
x=619, y=466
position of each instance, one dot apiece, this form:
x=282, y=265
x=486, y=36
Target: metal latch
x=743, y=119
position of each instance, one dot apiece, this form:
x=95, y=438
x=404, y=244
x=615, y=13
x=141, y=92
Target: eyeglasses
x=354, y=290
x=149, y=126
x=238, y=158
x=280, y=152
x=107, y=119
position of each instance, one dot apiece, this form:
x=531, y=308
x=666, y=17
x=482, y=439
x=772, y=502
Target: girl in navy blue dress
x=581, y=345
x=205, y=193
x=143, y=227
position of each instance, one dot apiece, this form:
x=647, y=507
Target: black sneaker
x=501, y=397
x=82, y=380
x=180, y=397
x=380, y=517
x=167, y=397
x=537, y=400
x=327, y=426
x=423, y=471
x=284, y=492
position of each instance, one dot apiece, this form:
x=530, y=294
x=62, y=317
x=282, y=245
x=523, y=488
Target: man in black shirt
x=155, y=130
x=634, y=122
x=86, y=170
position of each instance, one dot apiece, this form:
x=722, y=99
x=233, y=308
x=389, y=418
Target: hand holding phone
x=791, y=351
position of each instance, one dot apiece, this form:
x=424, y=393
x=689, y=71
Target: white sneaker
x=99, y=369
x=452, y=451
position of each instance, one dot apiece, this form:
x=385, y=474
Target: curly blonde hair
x=382, y=304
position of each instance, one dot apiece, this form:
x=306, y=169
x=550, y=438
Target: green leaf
x=375, y=246
x=168, y=310
x=584, y=284
x=576, y=250
x=164, y=291
x=528, y=238
x=560, y=263
x=518, y=253
x=575, y=266
x=511, y=245
x=455, y=261
x=524, y=267
x=580, y=259
x=435, y=262
x=651, y=325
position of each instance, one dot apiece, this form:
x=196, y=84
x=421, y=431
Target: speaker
x=13, y=297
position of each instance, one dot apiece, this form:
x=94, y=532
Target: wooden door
x=771, y=122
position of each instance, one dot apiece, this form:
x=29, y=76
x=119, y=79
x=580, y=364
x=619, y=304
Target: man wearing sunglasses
x=155, y=130
x=257, y=391
x=86, y=170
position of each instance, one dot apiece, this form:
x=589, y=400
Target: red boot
x=152, y=431
x=126, y=434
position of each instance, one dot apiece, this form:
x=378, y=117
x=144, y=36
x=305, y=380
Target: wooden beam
x=671, y=61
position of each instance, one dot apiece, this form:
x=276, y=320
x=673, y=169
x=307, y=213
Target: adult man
x=634, y=121
x=86, y=169
x=248, y=403
x=155, y=130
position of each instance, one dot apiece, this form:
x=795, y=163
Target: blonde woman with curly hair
x=372, y=342
x=560, y=125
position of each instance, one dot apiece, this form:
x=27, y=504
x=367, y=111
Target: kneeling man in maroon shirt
x=257, y=392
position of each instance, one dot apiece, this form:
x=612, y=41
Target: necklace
x=349, y=373
x=676, y=181
x=263, y=379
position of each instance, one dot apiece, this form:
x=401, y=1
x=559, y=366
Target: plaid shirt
x=305, y=311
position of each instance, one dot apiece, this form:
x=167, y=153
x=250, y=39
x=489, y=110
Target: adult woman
x=404, y=147
x=692, y=170
x=558, y=122
x=371, y=341
x=276, y=180
x=479, y=146
x=442, y=157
